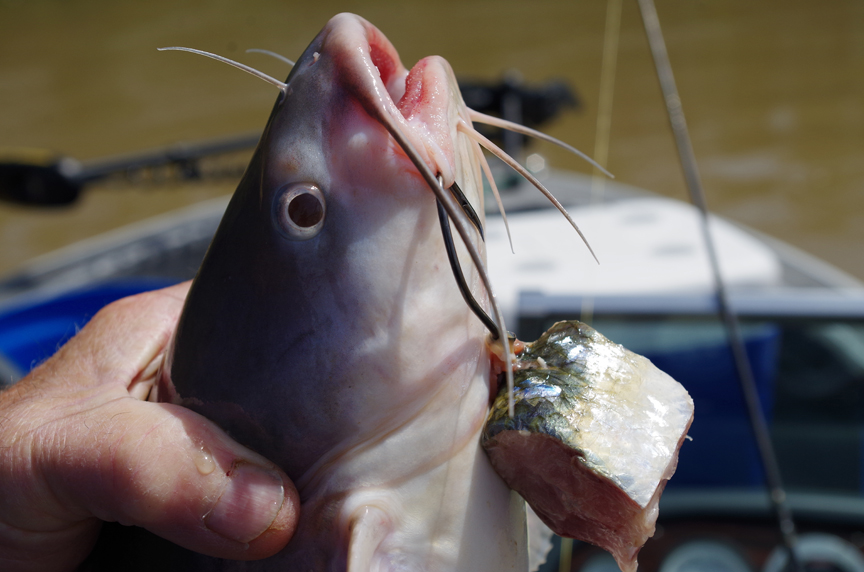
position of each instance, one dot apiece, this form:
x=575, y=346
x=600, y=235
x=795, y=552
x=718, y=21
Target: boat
x=802, y=321
x=652, y=291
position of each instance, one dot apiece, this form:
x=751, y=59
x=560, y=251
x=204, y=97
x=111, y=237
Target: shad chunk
x=594, y=439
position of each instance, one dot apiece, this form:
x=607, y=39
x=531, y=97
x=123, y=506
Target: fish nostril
x=305, y=210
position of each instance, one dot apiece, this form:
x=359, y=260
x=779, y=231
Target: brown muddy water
x=773, y=92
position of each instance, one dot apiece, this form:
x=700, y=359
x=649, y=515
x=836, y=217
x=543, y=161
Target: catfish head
x=325, y=330
x=326, y=292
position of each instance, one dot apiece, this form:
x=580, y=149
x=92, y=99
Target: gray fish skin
x=350, y=359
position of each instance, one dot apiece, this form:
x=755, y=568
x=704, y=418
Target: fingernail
x=248, y=505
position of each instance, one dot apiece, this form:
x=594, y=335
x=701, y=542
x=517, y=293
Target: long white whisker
x=471, y=132
x=457, y=217
x=509, y=125
x=271, y=54
x=238, y=65
x=484, y=164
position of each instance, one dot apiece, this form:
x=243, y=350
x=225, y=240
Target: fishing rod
x=36, y=177
x=41, y=178
x=687, y=158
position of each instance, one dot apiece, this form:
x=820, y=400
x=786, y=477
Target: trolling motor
x=40, y=178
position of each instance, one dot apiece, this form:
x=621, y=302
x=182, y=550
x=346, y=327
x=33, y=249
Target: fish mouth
x=423, y=111
x=424, y=102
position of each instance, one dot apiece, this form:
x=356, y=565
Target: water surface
x=773, y=92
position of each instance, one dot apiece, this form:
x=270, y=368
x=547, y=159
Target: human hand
x=78, y=446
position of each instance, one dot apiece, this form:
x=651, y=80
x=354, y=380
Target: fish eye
x=299, y=211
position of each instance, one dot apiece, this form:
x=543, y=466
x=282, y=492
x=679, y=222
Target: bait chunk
x=594, y=438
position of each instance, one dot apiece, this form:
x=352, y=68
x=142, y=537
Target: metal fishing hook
x=454, y=260
x=466, y=206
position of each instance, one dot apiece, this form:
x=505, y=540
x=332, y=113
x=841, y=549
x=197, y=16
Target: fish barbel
x=324, y=328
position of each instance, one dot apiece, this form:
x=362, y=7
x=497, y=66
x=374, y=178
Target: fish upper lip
x=425, y=102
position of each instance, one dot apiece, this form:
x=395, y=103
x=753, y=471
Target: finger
x=122, y=345
x=164, y=467
x=169, y=470
x=158, y=466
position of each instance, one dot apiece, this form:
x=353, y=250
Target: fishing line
x=608, y=68
x=687, y=159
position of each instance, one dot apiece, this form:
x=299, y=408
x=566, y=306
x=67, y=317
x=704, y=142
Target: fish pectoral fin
x=369, y=526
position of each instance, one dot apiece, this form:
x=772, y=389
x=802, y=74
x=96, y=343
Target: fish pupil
x=305, y=210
